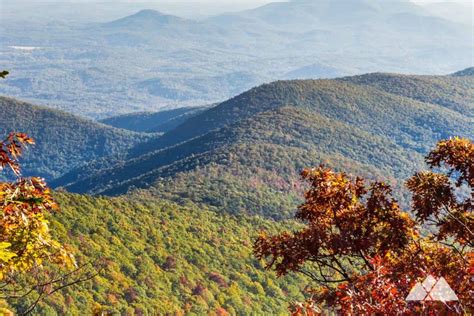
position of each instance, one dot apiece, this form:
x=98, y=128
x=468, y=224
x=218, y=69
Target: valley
x=91, y=68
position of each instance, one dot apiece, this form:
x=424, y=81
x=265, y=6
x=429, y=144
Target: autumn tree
x=365, y=253
x=26, y=244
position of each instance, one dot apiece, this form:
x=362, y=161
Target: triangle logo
x=417, y=293
x=432, y=290
x=443, y=292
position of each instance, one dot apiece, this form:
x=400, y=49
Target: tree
x=438, y=202
x=365, y=254
x=26, y=244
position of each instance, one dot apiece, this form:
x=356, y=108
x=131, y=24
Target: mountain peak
x=145, y=18
x=148, y=13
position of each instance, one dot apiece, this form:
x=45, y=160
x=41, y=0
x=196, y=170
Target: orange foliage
x=12, y=148
x=365, y=253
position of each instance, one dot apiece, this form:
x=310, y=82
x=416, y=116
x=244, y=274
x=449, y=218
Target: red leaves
x=287, y=252
x=344, y=229
x=359, y=239
x=430, y=193
x=458, y=155
x=335, y=211
x=437, y=202
x=11, y=149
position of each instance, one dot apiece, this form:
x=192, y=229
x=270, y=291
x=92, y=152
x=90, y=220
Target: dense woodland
x=446, y=91
x=168, y=222
x=163, y=258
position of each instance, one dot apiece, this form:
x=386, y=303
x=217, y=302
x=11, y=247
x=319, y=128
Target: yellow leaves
x=5, y=254
x=5, y=312
x=25, y=240
x=26, y=244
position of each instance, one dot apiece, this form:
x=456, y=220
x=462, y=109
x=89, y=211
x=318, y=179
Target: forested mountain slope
x=390, y=113
x=290, y=127
x=253, y=166
x=455, y=92
x=252, y=147
x=163, y=259
x=63, y=141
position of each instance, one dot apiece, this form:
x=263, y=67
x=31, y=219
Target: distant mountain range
x=251, y=148
x=454, y=11
x=149, y=60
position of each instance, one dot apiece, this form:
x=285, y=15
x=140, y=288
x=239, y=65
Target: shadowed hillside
x=63, y=141
x=153, y=122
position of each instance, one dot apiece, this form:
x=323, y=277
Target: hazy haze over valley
x=82, y=57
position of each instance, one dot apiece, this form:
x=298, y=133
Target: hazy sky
x=111, y=9
x=215, y=2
